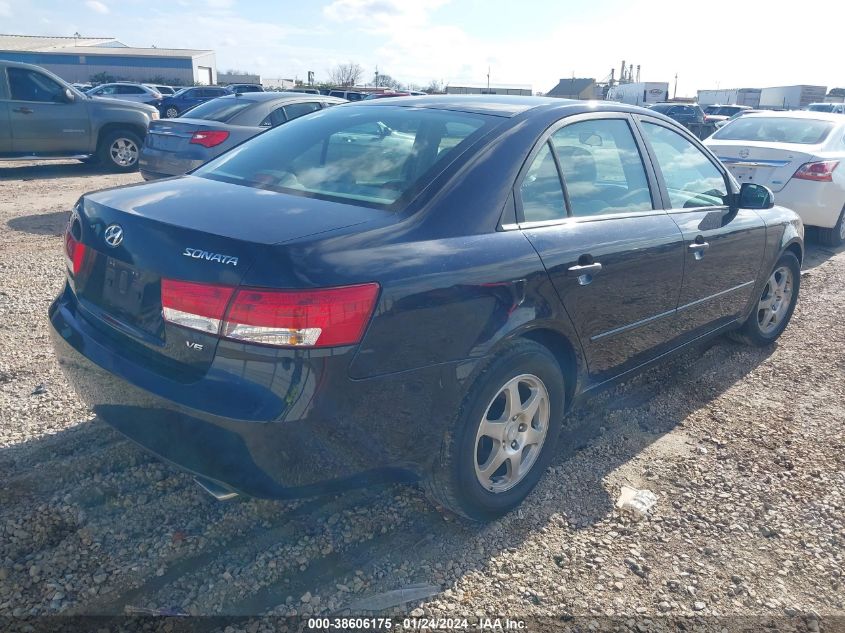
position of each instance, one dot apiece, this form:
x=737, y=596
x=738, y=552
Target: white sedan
x=800, y=156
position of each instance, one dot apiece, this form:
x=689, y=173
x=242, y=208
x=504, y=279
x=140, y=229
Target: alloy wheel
x=123, y=152
x=171, y=113
x=511, y=433
x=776, y=299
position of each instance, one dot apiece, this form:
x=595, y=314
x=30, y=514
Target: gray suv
x=42, y=116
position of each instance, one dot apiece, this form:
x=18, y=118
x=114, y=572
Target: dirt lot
x=744, y=448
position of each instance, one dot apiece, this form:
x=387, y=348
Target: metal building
x=79, y=59
x=492, y=89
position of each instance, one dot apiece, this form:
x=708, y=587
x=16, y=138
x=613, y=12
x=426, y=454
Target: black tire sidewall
x=104, y=154
x=526, y=357
x=752, y=326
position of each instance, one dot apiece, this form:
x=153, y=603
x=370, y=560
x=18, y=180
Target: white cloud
x=97, y=6
x=5, y=9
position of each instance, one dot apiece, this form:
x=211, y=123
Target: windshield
x=775, y=130
x=727, y=110
x=221, y=110
x=820, y=107
x=180, y=91
x=369, y=155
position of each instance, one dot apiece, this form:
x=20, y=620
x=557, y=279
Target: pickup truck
x=42, y=116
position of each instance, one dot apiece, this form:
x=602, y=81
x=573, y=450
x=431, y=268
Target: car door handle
x=586, y=269
x=23, y=110
x=697, y=247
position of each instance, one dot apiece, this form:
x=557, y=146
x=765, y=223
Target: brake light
x=196, y=306
x=821, y=171
x=301, y=318
x=325, y=317
x=209, y=138
x=74, y=253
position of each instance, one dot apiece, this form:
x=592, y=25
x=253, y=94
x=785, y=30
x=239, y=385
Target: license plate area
x=131, y=295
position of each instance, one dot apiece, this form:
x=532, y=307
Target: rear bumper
x=326, y=431
x=156, y=163
x=818, y=203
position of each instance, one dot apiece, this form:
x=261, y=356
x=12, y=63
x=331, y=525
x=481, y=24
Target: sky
x=745, y=43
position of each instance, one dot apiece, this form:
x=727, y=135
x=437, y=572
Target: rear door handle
x=23, y=110
x=698, y=247
x=585, y=269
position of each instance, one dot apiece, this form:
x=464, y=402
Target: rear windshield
x=820, y=107
x=218, y=109
x=368, y=155
x=662, y=107
x=727, y=111
x=775, y=130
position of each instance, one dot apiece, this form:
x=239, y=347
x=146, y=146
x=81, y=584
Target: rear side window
x=602, y=168
x=776, y=130
x=349, y=154
x=296, y=110
x=691, y=179
x=28, y=85
x=540, y=191
x=220, y=110
x=130, y=90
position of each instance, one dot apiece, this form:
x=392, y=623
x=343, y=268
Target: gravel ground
x=744, y=449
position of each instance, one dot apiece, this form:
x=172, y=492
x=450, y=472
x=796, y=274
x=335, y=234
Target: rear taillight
x=196, y=306
x=821, y=171
x=325, y=317
x=209, y=138
x=74, y=253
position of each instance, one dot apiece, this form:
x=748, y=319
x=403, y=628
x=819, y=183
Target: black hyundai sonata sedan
x=410, y=289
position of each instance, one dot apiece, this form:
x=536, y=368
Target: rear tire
x=775, y=306
x=119, y=150
x=836, y=235
x=171, y=112
x=518, y=398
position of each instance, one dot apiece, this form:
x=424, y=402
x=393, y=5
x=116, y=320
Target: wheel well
x=108, y=128
x=795, y=249
x=563, y=352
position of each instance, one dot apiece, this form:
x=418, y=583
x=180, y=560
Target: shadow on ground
x=117, y=504
x=50, y=170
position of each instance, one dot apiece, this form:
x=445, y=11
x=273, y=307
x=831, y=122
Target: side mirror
x=754, y=196
x=70, y=97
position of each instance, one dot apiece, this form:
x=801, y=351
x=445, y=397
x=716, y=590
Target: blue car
x=186, y=98
x=412, y=288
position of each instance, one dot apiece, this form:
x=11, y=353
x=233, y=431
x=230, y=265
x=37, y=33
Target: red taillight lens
x=821, y=171
x=326, y=317
x=74, y=253
x=301, y=318
x=196, y=306
x=209, y=138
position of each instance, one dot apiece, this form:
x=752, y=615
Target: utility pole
x=376, y=76
x=488, y=80
x=675, y=94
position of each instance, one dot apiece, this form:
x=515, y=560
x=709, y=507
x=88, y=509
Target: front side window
x=602, y=168
x=28, y=85
x=691, y=179
x=349, y=154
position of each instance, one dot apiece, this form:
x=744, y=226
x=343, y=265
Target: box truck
x=639, y=93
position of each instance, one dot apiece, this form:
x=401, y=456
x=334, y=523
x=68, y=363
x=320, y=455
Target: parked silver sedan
x=175, y=146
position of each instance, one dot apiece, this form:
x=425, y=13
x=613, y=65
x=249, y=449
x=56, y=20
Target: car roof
x=500, y=105
x=797, y=114
x=259, y=97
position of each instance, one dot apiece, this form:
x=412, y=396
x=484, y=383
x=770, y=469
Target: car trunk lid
x=761, y=163
x=191, y=230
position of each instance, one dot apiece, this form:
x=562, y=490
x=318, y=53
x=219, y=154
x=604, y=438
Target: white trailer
x=792, y=97
x=639, y=93
x=732, y=96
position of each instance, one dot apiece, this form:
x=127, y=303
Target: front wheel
x=119, y=150
x=775, y=306
x=171, y=112
x=504, y=435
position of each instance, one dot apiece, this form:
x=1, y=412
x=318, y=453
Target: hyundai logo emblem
x=113, y=235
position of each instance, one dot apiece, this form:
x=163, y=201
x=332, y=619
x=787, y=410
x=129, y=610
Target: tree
x=346, y=74
x=386, y=81
x=434, y=87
